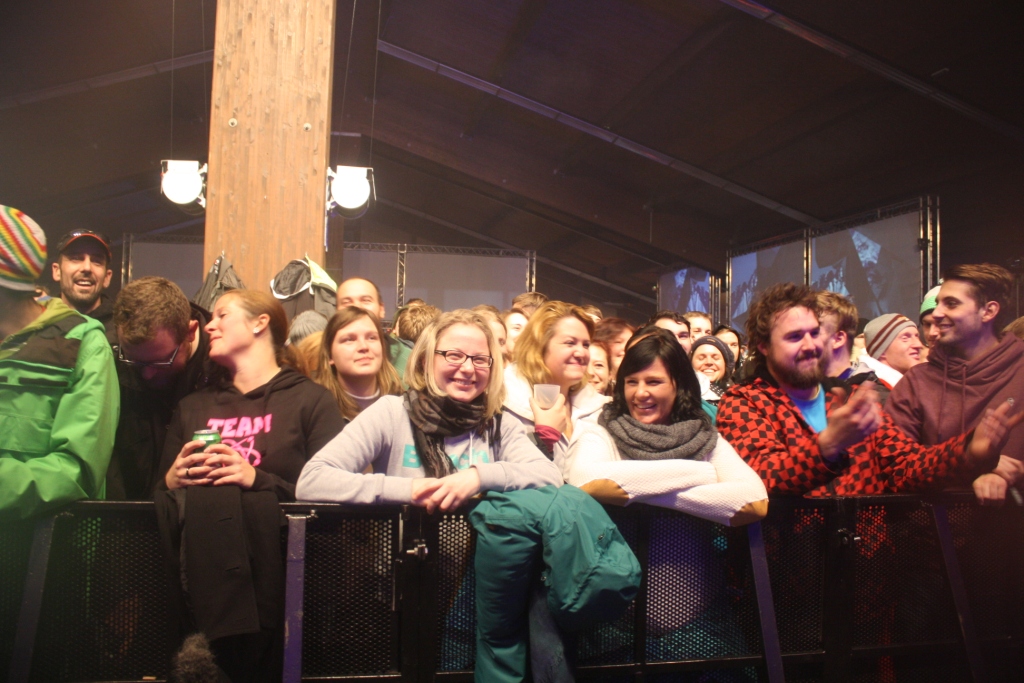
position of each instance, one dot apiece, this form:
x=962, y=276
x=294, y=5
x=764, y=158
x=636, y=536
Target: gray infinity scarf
x=686, y=440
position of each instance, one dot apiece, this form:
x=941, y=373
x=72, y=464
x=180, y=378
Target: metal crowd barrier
x=895, y=588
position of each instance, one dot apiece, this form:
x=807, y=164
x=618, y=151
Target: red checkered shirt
x=768, y=431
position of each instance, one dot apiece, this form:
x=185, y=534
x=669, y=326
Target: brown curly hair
x=766, y=309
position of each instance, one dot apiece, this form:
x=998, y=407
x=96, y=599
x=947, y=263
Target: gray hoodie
x=381, y=436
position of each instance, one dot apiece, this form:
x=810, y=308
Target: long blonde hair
x=325, y=374
x=533, y=341
x=419, y=373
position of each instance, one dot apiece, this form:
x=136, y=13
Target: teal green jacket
x=59, y=405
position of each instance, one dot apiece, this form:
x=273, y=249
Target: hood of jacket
x=967, y=387
x=585, y=403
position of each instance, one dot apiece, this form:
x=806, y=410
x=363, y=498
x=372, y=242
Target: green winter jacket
x=59, y=405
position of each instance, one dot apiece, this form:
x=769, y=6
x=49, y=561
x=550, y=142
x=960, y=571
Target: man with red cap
x=59, y=400
x=82, y=268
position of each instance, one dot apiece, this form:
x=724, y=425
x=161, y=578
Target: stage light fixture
x=183, y=182
x=350, y=190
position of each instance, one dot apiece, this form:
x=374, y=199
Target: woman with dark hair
x=712, y=358
x=658, y=446
x=654, y=444
x=352, y=362
x=733, y=338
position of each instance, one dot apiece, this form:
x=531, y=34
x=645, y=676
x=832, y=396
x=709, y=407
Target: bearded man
x=808, y=434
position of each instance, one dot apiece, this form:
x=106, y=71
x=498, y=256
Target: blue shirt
x=814, y=410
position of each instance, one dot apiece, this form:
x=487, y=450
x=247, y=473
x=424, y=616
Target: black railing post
x=416, y=573
x=643, y=548
x=31, y=601
x=837, y=608
x=975, y=659
x=765, y=605
x=294, y=594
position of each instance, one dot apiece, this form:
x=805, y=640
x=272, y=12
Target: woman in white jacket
x=654, y=444
x=553, y=348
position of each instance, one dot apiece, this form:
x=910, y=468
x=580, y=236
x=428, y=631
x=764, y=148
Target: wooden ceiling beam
x=879, y=67
x=577, y=226
x=596, y=131
x=526, y=17
x=685, y=54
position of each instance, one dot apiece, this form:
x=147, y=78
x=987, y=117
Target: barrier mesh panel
x=699, y=598
x=614, y=643
x=348, y=622
x=105, y=606
x=900, y=590
x=796, y=545
x=456, y=613
x=992, y=568
x=15, y=543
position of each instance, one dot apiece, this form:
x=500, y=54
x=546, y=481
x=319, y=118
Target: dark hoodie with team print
x=278, y=426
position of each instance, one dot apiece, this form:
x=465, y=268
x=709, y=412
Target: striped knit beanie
x=882, y=331
x=22, y=250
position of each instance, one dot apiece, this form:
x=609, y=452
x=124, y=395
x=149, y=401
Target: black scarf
x=434, y=418
x=685, y=440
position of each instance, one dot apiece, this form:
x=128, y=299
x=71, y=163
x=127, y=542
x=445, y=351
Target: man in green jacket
x=59, y=400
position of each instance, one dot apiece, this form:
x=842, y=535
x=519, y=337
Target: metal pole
x=765, y=604
x=975, y=659
x=400, y=296
x=31, y=601
x=294, y=593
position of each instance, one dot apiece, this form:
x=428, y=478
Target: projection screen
x=686, y=289
x=877, y=264
x=752, y=272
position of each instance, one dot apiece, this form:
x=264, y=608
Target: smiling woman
x=351, y=362
x=553, y=348
x=655, y=445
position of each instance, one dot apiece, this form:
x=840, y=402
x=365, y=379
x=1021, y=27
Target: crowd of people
x=107, y=399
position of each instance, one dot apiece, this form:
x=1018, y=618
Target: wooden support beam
x=685, y=54
x=527, y=16
x=269, y=134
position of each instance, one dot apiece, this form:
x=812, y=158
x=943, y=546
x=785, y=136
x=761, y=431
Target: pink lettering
x=266, y=421
x=257, y=425
x=214, y=423
x=244, y=427
x=229, y=427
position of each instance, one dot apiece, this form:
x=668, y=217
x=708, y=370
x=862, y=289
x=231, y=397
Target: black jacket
x=146, y=414
x=278, y=426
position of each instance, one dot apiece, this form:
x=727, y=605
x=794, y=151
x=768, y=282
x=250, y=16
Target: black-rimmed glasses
x=458, y=358
x=148, y=364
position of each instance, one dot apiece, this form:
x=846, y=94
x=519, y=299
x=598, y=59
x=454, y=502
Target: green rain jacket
x=59, y=405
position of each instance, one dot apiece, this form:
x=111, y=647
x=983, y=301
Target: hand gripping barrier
x=846, y=589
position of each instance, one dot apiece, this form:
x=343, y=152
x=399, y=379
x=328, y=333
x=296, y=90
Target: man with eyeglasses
x=162, y=356
x=58, y=388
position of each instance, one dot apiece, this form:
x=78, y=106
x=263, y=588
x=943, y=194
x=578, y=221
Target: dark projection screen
x=878, y=265
x=753, y=272
x=688, y=289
